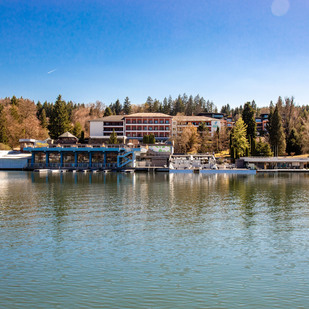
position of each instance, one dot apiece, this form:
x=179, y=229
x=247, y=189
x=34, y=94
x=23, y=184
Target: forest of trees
x=288, y=127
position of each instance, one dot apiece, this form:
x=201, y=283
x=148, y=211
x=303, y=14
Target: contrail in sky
x=51, y=71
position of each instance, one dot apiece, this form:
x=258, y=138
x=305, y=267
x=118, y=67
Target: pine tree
x=146, y=139
x=189, y=106
x=113, y=138
x=152, y=139
x=127, y=106
x=59, y=120
x=276, y=133
x=118, y=107
x=249, y=120
x=108, y=112
x=43, y=119
x=77, y=130
x=239, y=142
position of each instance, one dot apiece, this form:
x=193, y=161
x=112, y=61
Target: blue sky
x=226, y=51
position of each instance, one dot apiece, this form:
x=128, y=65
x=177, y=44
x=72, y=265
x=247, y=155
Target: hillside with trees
x=288, y=126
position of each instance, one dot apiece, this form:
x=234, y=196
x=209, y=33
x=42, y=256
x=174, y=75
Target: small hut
x=67, y=138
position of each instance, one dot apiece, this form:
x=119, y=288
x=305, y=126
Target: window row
x=145, y=128
x=150, y=121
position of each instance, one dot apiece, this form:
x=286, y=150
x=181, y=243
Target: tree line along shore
x=287, y=130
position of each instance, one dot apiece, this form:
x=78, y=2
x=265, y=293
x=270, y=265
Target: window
x=134, y=121
x=139, y=128
x=139, y=121
x=161, y=121
x=167, y=121
x=134, y=128
x=150, y=128
x=156, y=121
x=145, y=128
x=145, y=121
x=150, y=121
x=128, y=121
x=128, y=128
x=166, y=128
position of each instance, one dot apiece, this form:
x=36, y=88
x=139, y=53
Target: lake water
x=154, y=241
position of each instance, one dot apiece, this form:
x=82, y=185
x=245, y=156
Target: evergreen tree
x=118, y=107
x=189, y=108
x=152, y=139
x=249, y=120
x=59, y=120
x=276, y=133
x=239, y=142
x=166, y=107
x=127, y=106
x=108, y=112
x=293, y=144
x=43, y=119
x=156, y=106
x=262, y=149
x=113, y=138
x=178, y=106
x=146, y=139
x=149, y=105
x=77, y=130
x=14, y=100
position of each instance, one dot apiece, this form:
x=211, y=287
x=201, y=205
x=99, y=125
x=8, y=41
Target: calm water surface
x=154, y=241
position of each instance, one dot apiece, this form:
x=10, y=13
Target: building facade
x=101, y=129
x=181, y=122
x=133, y=126
x=140, y=124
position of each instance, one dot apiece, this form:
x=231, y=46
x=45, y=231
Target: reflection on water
x=154, y=240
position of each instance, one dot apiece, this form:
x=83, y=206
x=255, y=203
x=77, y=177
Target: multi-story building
x=140, y=124
x=133, y=126
x=261, y=124
x=101, y=129
x=180, y=122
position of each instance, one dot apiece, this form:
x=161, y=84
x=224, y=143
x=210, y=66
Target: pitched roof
x=161, y=115
x=109, y=118
x=67, y=134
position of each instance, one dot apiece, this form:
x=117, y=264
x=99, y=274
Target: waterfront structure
x=101, y=129
x=274, y=163
x=181, y=122
x=81, y=157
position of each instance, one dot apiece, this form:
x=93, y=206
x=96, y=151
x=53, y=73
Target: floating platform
x=223, y=171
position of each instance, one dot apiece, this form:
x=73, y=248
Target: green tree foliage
x=249, y=120
x=275, y=130
x=146, y=139
x=239, y=144
x=293, y=144
x=152, y=139
x=127, y=109
x=178, y=106
x=59, y=121
x=113, y=138
x=43, y=119
x=77, y=130
x=108, y=112
x=14, y=100
x=262, y=149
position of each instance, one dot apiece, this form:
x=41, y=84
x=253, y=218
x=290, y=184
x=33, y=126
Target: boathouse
x=81, y=157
